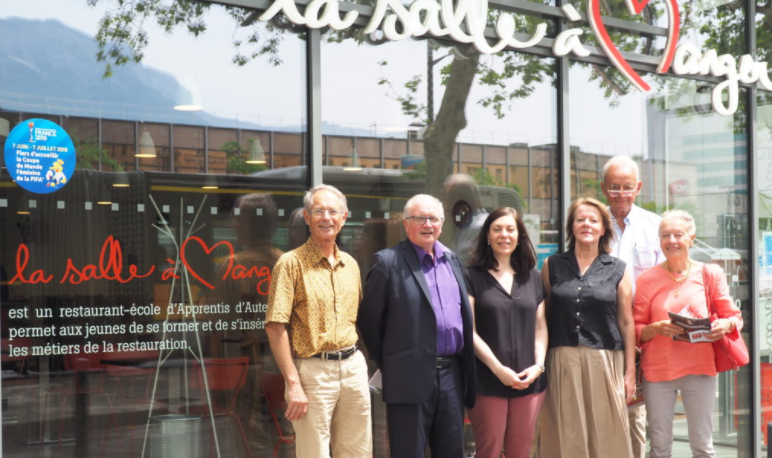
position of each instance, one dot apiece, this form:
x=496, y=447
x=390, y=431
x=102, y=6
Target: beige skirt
x=584, y=413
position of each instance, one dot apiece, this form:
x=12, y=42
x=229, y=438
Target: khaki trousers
x=338, y=409
x=585, y=414
x=637, y=417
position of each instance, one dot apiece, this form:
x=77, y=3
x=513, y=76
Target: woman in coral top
x=679, y=285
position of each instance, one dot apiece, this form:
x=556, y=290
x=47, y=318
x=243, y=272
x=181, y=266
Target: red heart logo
x=635, y=7
x=207, y=250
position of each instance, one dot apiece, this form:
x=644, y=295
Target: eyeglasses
x=421, y=220
x=620, y=192
x=320, y=212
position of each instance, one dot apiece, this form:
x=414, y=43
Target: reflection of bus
x=390, y=187
x=372, y=194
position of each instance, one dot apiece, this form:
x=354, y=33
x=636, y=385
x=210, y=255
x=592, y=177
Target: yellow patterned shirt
x=319, y=303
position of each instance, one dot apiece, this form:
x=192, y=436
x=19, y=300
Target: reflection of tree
x=506, y=77
x=498, y=74
x=237, y=157
x=92, y=156
x=121, y=39
x=440, y=137
x=591, y=188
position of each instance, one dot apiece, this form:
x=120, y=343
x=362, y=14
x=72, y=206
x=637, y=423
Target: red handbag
x=731, y=352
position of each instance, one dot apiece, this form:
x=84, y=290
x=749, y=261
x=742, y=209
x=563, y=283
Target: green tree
x=89, y=155
x=237, y=157
x=507, y=76
x=418, y=172
x=591, y=188
x=485, y=178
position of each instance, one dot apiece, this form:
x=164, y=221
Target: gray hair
x=308, y=199
x=683, y=216
x=413, y=200
x=622, y=161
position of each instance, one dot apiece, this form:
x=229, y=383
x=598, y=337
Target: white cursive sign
x=465, y=21
x=689, y=60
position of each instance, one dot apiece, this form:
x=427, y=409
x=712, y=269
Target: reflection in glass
x=476, y=131
x=764, y=221
x=690, y=158
x=119, y=259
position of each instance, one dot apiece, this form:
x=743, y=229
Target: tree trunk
x=440, y=137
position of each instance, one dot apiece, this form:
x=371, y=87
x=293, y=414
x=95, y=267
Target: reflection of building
x=691, y=175
x=689, y=157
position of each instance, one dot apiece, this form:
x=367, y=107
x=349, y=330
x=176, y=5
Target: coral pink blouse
x=662, y=358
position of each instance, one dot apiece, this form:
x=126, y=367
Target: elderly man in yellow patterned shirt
x=311, y=326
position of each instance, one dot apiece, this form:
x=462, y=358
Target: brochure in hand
x=695, y=329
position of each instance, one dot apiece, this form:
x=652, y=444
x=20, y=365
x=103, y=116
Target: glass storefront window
x=478, y=132
x=764, y=221
x=690, y=158
x=123, y=279
x=216, y=193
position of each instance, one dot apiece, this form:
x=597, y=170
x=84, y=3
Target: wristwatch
x=543, y=369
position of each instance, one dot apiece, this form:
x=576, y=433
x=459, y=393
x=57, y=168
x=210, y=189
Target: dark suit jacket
x=399, y=328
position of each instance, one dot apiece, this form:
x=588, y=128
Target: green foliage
x=609, y=79
x=514, y=186
x=237, y=157
x=483, y=177
x=508, y=77
x=591, y=188
x=89, y=155
x=407, y=99
x=655, y=207
x=519, y=190
x=723, y=26
x=418, y=172
x=497, y=73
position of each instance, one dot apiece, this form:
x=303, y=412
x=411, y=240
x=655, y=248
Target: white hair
x=413, y=200
x=621, y=161
x=683, y=216
x=308, y=199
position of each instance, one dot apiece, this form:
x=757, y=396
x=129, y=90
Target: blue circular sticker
x=40, y=156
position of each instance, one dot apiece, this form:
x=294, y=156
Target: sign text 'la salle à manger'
x=465, y=21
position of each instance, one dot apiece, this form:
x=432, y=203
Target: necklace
x=679, y=281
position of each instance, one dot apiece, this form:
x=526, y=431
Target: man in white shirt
x=637, y=244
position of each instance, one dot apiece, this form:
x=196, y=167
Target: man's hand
x=297, y=403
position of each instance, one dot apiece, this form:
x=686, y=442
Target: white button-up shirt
x=638, y=245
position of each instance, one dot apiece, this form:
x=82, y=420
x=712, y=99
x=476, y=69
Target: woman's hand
x=720, y=328
x=508, y=377
x=528, y=376
x=629, y=385
x=660, y=328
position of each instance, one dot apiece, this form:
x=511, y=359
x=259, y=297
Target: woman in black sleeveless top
x=591, y=357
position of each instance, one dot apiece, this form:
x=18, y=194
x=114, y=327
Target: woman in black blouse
x=591, y=359
x=510, y=337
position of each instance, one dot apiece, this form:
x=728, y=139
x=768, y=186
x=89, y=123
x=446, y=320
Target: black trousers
x=438, y=422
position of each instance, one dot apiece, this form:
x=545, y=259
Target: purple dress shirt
x=446, y=299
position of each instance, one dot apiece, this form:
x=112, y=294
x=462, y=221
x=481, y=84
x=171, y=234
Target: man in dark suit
x=416, y=322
